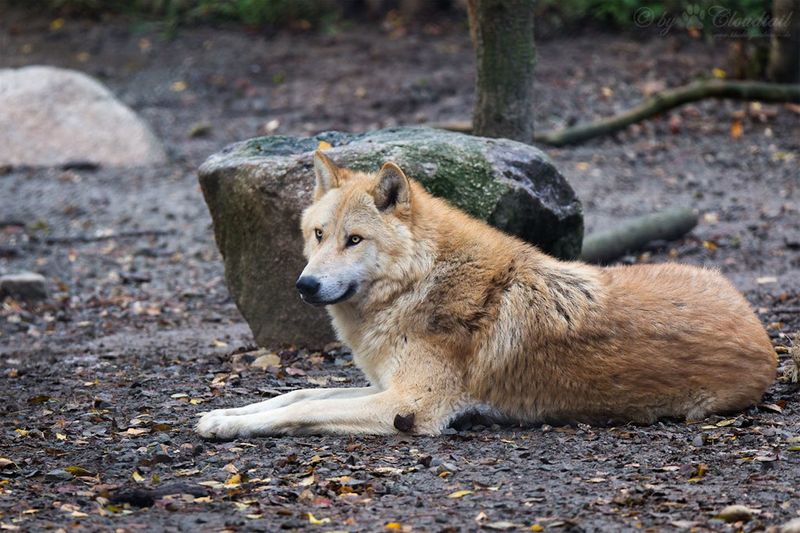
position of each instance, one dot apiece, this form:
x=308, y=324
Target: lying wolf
x=445, y=314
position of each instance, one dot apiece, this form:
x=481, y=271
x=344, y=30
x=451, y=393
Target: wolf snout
x=308, y=286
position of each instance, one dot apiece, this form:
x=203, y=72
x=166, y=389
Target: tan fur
x=451, y=314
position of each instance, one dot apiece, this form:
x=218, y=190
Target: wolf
x=445, y=314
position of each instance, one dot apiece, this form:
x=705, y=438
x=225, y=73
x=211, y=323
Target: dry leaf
x=394, y=525
x=718, y=73
x=233, y=481
x=137, y=477
x=78, y=471
x=178, y=86
x=736, y=128
x=459, y=493
x=699, y=473
x=324, y=145
x=267, y=360
x=318, y=521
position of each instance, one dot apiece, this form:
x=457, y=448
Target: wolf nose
x=307, y=285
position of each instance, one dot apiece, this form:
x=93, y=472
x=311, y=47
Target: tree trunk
x=784, y=54
x=502, y=32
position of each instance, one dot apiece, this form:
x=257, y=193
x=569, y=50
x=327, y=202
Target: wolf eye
x=354, y=239
x=318, y=234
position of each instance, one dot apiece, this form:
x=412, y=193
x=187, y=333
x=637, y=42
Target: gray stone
x=24, y=286
x=53, y=117
x=257, y=189
x=58, y=474
x=792, y=526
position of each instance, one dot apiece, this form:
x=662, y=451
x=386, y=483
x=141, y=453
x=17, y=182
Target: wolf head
x=357, y=232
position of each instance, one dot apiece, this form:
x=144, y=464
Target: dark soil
x=101, y=385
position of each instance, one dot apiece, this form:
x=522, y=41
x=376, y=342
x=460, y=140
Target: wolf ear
x=393, y=188
x=327, y=174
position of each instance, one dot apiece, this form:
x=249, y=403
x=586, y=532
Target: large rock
x=52, y=117
x=257, y=189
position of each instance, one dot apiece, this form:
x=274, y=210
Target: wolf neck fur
x=444, y=235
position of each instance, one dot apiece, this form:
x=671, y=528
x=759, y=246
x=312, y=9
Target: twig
x=98, y=238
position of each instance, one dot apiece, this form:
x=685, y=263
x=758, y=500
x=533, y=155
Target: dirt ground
x=101, y=385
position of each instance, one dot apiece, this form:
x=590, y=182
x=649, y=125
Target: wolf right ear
x=393, y=188
x=327, y=174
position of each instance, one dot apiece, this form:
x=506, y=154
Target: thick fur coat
x=445, y=313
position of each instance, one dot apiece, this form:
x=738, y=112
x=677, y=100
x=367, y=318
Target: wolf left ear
x=327, y=174
x=393, y=188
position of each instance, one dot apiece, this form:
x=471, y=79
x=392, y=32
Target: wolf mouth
x=351, y=290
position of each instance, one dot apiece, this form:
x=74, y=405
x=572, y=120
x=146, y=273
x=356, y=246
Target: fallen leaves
x=317, y=521
x=698, y=473
x=234, y=481
x=79, y=471
x=459, y=494
x=737, y=129
x=266, y=361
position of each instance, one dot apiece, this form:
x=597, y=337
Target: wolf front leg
x=293, y=397
x=375, y=414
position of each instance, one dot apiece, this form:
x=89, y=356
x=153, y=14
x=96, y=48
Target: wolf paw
x=214, y=425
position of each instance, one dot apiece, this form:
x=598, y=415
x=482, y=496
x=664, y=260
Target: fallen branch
x=98, y=238
x=666, y=225
x=658, y=103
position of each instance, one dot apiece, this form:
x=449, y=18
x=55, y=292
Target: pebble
x=735, y=513
x=58, y=474
x=24, y=286
x=792, y=526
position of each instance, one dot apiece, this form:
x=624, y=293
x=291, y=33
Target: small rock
x=58, y=474
x=735, y=513
x=792, y=526
x=24, y=286
x=450, y=467
x=200, y=129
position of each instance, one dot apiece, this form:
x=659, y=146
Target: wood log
x=671, y=224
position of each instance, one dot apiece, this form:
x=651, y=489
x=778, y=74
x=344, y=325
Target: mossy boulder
x=257, y=189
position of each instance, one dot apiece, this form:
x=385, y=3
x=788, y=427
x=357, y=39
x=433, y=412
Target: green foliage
x=620, y=14
x=178, y=12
